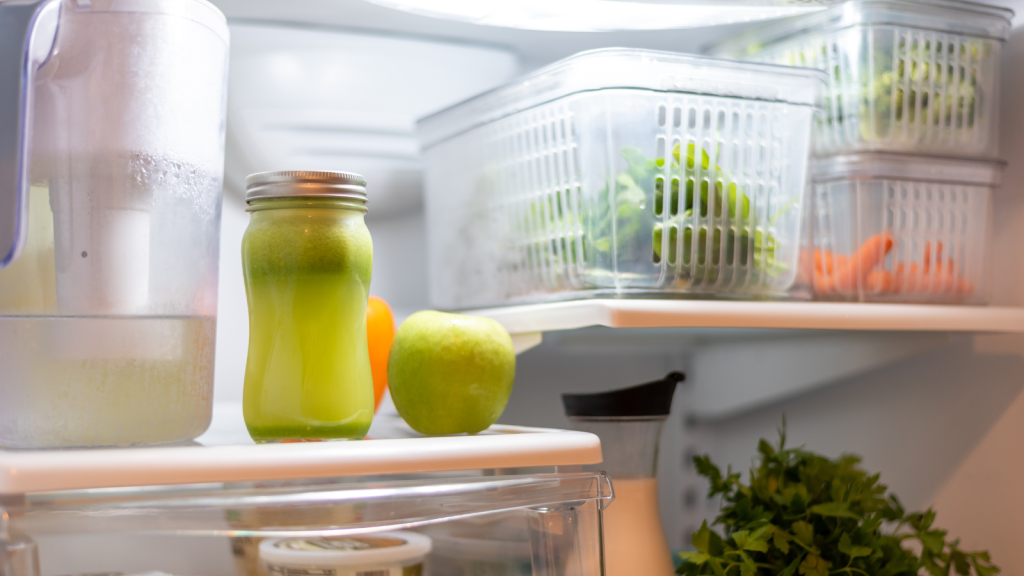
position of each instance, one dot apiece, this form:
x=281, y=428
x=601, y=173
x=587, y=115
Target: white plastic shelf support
x=626, y=313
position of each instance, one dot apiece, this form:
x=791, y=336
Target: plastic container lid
x=368, y=550
x=893, y=166
x=612, y=68
x=950, y=16
x=650, y=399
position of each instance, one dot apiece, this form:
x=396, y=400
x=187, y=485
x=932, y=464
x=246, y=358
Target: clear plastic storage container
x=622, y=172
x=904, y=75
x=902, y=228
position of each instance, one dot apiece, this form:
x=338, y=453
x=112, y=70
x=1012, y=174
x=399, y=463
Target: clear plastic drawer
x=901, y=228
x=215, y=510
x=622, y=172
x=904, y=75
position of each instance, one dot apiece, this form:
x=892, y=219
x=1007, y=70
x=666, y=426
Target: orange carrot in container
x=805, y=268
x=878, y=282
x=822, y=261
x=870, y=254
x=964, y=286
x=928, y=256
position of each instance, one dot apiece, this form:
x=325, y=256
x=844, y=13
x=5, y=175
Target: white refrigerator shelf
x=499, y=447
x=636, y=313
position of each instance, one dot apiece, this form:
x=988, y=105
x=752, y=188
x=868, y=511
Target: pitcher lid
x=650, y=399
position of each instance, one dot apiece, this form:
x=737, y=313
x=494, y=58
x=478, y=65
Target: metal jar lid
x=305, y=184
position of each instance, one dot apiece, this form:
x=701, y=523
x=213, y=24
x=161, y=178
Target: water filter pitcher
x=111, y=163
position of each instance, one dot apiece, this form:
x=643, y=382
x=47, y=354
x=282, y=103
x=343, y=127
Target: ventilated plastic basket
x=624, y=172
x=904, y=75
x=902, y=228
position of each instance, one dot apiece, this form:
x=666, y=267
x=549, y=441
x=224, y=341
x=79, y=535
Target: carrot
x=823, y=261
x=854, y=272
x=928, y=255
x=805, y=268
x=933, y=275
x=822, y=283
x=824, y=265
x=879, y=282
x=943, y=279
x=907, y=279
x=872, y=252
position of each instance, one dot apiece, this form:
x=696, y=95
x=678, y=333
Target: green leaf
x=814, y=565
x=634, y=156
x=804, y=532
x=694, y=557
x=754, y=542
x=748, y=568
x=791, y=569
x=834, y=509
x=707, y=541
x=933, y=541
x=797, y=503
x=984, y=567
x=847, y=547
x=959, y=561
x=781, y=541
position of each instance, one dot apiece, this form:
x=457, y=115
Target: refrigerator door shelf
x=500, y=447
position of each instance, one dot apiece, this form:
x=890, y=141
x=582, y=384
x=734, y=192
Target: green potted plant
x=808, y=515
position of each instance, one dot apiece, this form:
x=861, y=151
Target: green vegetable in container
x=928, y=82
x=737, y=236
x=560, y=232
x=808, y=515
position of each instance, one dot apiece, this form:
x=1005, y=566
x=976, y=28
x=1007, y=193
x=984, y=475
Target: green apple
x=450, y=373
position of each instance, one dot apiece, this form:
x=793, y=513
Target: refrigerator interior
x=941, y=416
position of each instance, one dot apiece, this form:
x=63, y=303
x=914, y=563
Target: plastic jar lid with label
x=380, y=554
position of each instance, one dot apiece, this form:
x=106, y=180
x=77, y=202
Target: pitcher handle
x=27, y=33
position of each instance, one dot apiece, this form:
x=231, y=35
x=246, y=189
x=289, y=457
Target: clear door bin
x=904, y=75
x=620, y=172
x=540, y=516
x=554, y=520
x=901, y=228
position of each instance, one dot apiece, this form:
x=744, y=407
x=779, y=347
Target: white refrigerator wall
x=944, y=426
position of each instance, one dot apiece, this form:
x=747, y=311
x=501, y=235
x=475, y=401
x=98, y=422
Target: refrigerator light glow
x=603, y=15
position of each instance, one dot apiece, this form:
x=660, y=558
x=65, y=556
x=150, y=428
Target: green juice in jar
x=307, y=259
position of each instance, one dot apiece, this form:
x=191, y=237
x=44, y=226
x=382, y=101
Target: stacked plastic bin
x=906, y=145
x=621, y=172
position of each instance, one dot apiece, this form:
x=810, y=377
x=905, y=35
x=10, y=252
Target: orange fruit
x=380, y=332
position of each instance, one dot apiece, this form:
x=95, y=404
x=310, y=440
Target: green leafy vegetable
x=707, y=222
x=923, y=83
x=806, y=515
x=742, y=238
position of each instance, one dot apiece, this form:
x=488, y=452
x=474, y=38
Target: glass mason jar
x=307, y=258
